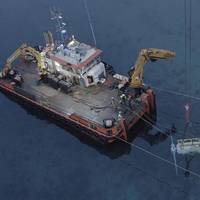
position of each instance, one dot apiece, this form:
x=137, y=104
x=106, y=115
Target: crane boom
x=137, y=72
x=16, y=54
x=25, y=50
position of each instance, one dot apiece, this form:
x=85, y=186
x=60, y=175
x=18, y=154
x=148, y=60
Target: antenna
x=173, y=151
x=60, y=25
x=90, y=21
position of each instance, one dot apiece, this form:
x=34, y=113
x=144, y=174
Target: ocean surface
x=40, y=160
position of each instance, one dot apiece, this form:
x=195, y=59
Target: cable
x=154, y=155
x=176, y=93
x=190, y=47
x=147, y=121
x=155, y=178
x=185, y=26
x=90, y=21
x=178, y=117
x=158, y=157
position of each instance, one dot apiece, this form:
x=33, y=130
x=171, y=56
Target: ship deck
x=93, y=103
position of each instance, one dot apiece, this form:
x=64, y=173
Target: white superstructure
x=77, y=62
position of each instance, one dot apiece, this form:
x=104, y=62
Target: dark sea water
x=40, y=160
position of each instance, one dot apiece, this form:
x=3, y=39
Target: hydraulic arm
x=137, y=72
x=24, y=50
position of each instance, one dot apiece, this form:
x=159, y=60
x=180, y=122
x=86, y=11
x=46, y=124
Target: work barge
x=69, y=82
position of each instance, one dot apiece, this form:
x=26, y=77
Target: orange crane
x=137, y=71
x=25, y=50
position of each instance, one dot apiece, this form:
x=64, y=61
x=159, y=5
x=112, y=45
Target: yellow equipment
x=137, y=72
x=25, y=50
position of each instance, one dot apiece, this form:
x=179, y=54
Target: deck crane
x=25, y=50
x=137, y=71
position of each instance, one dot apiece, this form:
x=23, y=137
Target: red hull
x=90, y=128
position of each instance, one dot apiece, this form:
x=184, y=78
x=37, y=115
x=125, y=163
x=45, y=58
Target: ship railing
x=189, y=142
x=96, y=126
